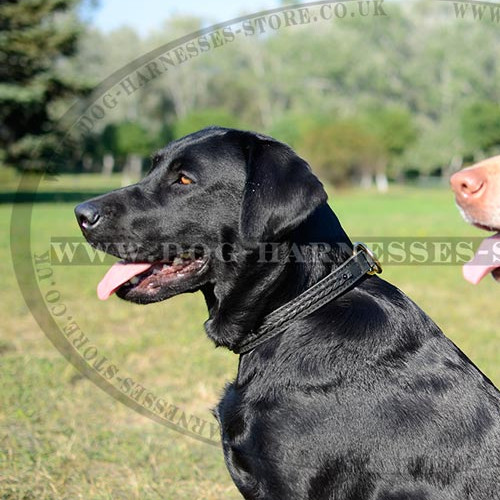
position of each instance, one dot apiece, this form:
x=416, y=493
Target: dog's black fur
x=365, y=398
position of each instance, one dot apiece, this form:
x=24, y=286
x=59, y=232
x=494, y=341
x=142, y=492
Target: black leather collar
x=361, y=263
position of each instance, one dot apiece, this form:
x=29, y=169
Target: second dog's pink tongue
x=486, y=260
x=119, y=274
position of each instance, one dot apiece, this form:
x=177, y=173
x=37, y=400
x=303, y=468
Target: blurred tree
x=395, y=131
x=394, y=128
x=291, y=127
x=101, y=148
x=163, y=137
x=35, y=37
x=123, y=145
x=343, y=151
x=132, y=143
x=130, y=138
x=185, y=88
x=406, y=80
x=481, y=128
x=197, y=120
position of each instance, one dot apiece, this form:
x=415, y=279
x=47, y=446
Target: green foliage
x=131, y=138
x=120, y=140
x=481, y=126
x=410, y=80
x=394, y=128
x=197, y=120
x=395, y=131
x=163, y=137
x=342, y=150
x=293, y=127
x=35, y=38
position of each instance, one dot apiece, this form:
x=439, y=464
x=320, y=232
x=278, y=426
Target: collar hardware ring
x=376, y=266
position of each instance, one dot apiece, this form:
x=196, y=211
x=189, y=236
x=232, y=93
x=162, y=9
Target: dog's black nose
x=87, y=215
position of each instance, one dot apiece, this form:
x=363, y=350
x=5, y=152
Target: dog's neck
x=269, y=276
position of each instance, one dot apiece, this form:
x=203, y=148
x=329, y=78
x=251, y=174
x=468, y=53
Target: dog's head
x=216, y=190
x=477, y=193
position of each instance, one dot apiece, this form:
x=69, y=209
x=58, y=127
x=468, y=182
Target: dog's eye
x=184, y=179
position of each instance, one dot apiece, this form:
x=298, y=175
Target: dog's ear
x=280, y=191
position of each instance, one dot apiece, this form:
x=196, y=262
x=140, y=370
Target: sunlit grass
x=64, y=438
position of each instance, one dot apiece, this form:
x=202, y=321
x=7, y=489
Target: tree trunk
x=132, y=170
x=381, y=182
x=87, y=163
x=366, y=180
x=455, y=165
x=108, y=162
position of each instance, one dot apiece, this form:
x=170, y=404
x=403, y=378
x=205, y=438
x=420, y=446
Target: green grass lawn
x=63, y=438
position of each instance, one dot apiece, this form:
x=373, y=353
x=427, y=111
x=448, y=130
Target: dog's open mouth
x=136, y=280
x=485, y=261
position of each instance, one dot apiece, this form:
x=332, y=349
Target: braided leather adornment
x=329, y=288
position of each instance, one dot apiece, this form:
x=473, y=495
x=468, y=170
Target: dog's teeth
x=177, y=261
x=165, y=266
x=186, y=255
x=134, y=280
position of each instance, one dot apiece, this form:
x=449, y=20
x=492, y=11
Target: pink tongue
x=119, y=274
x=486, y=260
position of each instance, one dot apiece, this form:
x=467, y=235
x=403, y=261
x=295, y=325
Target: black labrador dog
x=361, y=397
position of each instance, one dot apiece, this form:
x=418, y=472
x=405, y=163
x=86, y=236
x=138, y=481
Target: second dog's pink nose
x=468, y=183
